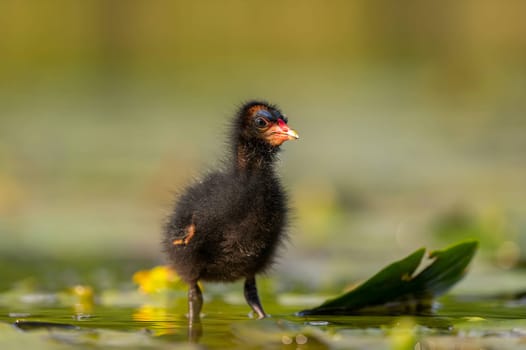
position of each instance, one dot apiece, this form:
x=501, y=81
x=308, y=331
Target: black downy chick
x=229, y=225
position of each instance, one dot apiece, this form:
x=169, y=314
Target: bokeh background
x=412, y=117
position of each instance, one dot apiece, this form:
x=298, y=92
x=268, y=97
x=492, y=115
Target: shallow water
x=458, y=321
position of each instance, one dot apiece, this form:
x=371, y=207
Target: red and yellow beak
x=279, y=133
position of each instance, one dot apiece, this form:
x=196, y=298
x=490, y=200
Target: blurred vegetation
x=411, y=116
x=400, y=289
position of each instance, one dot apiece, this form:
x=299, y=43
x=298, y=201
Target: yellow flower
x=402, y=335
x=85, y=298
x=156, y=280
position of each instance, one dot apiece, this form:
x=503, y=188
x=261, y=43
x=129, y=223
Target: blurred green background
x=412, y=117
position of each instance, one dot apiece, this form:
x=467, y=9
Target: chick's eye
x=261, y=122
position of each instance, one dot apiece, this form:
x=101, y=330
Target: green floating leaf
x=397, y=284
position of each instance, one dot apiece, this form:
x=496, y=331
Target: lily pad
x=397, y=284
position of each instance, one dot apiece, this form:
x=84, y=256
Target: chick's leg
x=252, y=298
x=195, y=301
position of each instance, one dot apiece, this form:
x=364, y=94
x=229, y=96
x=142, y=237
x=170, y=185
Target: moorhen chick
x=229, y=225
